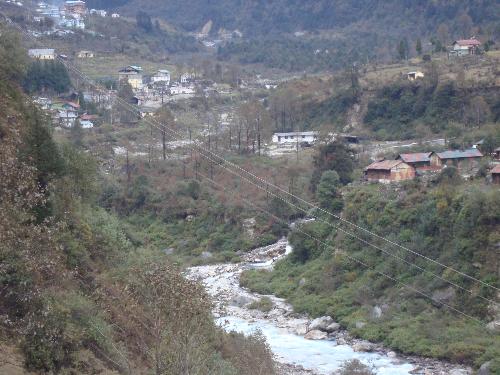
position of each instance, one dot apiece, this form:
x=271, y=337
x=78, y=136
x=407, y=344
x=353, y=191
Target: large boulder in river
x=315, y=334
x=320, y=323
x=363, y=346
x=301, y=329
x=332, y=327
x=485, y=369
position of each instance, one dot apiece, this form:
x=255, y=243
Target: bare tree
x=166, y=119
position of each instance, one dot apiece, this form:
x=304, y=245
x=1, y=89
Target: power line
x=162, y=127
x=249, y=203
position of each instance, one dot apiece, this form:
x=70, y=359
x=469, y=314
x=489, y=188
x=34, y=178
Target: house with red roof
x=465, y=47
x=387, y=171
x=421, y=161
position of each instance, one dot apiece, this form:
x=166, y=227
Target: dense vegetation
x=46, y=76
x=448, y=220
x=300, y=54
x=263, y=17
x=398, y=109
x=336, y=31
x=79, y=293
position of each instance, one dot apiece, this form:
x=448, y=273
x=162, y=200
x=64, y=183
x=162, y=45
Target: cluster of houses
x=70, y=15
x=65, y=113
x=408, y=166
x=153, y=89
x=50, y=54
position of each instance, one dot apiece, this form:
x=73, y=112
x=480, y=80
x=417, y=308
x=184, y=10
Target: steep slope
x=262, y=17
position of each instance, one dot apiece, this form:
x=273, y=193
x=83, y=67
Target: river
x=285, y=330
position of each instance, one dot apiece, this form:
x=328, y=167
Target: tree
x=465, y=24
x=124, y=106
x=403, y=49
x=478, y=111
x=144, y=21
x=443, y=35
x=418, y=47
x=166, y=119
x=76, y=134
x=327, y=191
x=334, y=156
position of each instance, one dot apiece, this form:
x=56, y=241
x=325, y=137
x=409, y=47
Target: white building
x=66, y=118
x=177, y=90
x=466, y=46
x=86, y=124
x=42, y=53
x=186, y=78
x=99, y=12
x=115, y=15
x=162, y=76
x=294, y=137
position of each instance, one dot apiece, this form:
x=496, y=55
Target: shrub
x=264, y=304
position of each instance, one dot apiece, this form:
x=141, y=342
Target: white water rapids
x=285, y=331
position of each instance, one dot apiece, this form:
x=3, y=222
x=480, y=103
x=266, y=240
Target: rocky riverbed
x=301, y=345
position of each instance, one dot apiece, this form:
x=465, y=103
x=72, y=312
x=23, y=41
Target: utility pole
x=258, y=133
x=297, y=144
x=190, y=141
x=164, y=139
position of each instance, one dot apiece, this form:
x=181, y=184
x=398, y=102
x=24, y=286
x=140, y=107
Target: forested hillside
x=324, y=34
x=262, y=17
x=389, y=293
x=78, y=293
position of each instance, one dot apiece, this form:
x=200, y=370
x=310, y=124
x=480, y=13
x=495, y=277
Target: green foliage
x=398, y=109
x=332, y=110
x=453, y=223
x=293, y=54
x=327, y=193
x=264, y=304
x=333, y=156
x=355, y=367
x=144, y=21
x=47, y=75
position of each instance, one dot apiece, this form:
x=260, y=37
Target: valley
x=233, y=188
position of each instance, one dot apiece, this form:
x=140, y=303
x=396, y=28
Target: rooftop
x=131, y=68
x=458, y=154
x=416, y=157
x=384, y=165
x=41, y=51
x=496, y=170
x=311, y=133
x=468, y=42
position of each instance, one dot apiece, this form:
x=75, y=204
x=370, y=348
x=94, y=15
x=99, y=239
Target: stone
x=315, y=334
x=377, y=312
x=168, y=251
x=493, y=326
x=241, y=301
x=392, y=354
x=485, y=369
x=360, y=325
x=458, y=371
x=301, y=329
x=363, y=347
x=320, y=323
x=444, y=295
x=332, y=327
x=206, y=255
